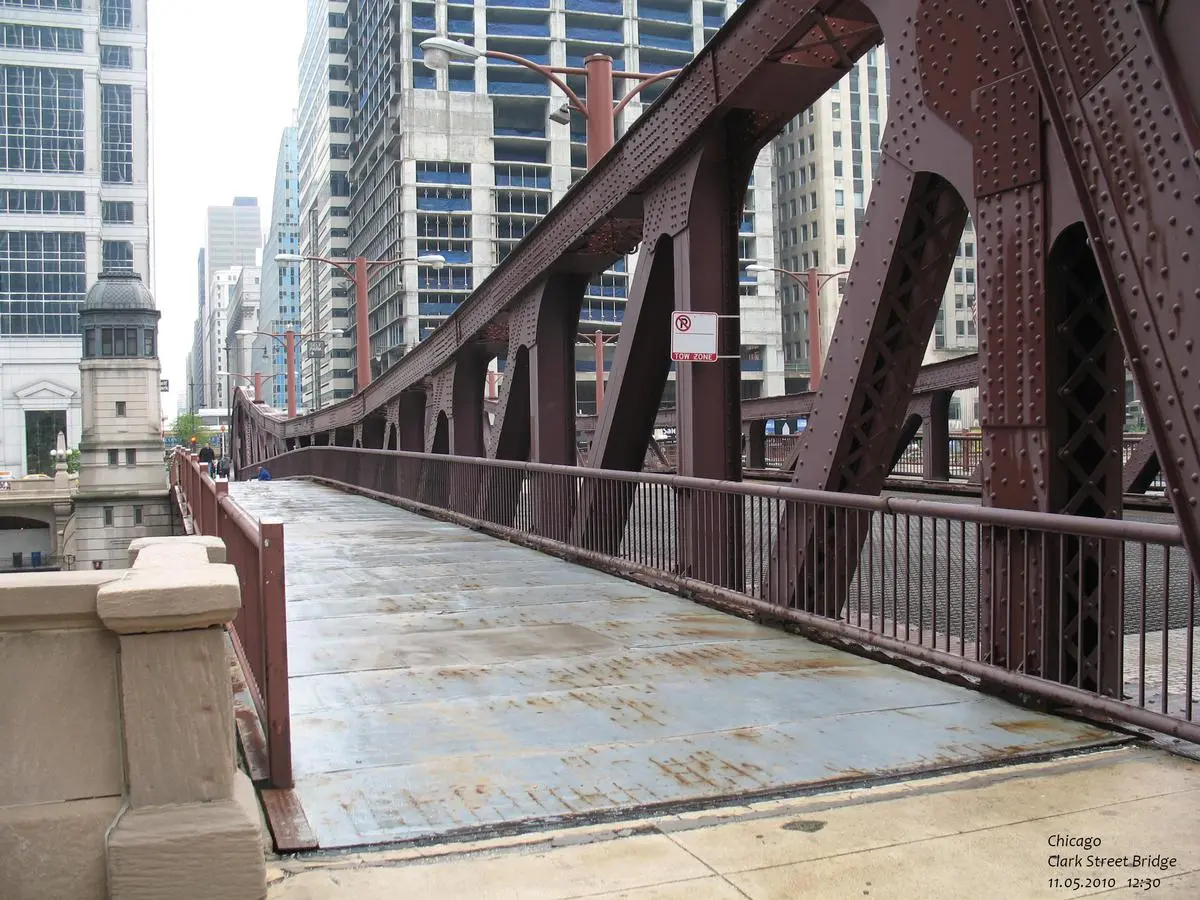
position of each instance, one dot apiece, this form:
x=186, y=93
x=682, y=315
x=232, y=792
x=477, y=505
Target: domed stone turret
x=122, y=481
x=119, y=319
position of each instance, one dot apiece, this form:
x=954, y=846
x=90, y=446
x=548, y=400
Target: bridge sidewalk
x=446, y=685
x=981, y=835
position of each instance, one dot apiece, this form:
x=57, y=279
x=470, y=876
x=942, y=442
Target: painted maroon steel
x=898, y=604
x=973, y=85
x=259, y=632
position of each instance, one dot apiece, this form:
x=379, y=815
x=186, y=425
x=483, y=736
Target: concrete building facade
x=324, y=159
x=243, y=314
x=123, y=493
x=824, y=167
x=214, y=335
x=279, y=302
x=462, y=163
x=74, y=199
x=232, y=239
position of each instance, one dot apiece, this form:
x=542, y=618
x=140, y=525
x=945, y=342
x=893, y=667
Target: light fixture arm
x=638, y=88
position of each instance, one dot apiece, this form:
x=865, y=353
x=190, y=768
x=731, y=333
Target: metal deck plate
x=442, y=682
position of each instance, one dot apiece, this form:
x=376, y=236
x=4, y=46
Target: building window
x=116, y=14
x=137, y=515
x=116, y=134
x=41, y=129
x=108, y=515
x=42, y=281
x=15, y=36
x=44, y=4
x=114, y=458
x=15, y=201
x=117, y=256
x=131, y=457
x=114, y=57
x=120, y=407
x=116, y=212
x=42, y=428
x=148, y=342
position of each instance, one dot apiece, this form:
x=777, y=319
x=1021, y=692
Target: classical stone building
x=123, y=492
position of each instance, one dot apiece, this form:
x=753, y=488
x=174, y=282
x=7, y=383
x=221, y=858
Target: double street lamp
x=812, y=281
x=598, y=111
x=288, y=339
x=359, y=271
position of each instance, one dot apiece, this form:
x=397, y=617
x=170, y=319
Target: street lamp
x=359, y=270
x=598, y=111
x=812, y=281
x=254, y=378
x=288, y=338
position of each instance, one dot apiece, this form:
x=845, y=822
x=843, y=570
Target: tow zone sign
x=693, y=337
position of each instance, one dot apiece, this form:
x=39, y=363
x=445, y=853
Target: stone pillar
x=190, y=827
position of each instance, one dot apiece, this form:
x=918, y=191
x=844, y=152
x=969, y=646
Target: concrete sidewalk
x=980, y=835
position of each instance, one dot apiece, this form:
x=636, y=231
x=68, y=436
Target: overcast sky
x=223, y=85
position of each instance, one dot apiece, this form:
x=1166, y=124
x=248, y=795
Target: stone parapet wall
x=119, y=777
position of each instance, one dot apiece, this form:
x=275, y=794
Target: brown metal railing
x=947, y=584
x=259, y=633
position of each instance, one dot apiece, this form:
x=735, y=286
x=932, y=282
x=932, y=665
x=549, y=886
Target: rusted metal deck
x=444, y=682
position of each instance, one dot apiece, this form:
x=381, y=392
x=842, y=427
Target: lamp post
x=289, y=339
x=812, y=281
x=359, y=270
x=254, y=378
x=598, y=111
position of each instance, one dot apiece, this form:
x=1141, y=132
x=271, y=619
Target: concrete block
x=170, y=599
x=51, y=599
x=213, y=545
x=56, y=850
x=60, y=723
x=168, y=556
x=209, y=850
x=177, y=702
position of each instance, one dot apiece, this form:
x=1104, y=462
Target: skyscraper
x=462, y=163
x=232, y=239
x=279, y=306
x=74, y=199
x=324, y=150
x=232, y=235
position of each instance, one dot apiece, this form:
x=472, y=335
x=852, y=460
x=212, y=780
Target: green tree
x=73, y=461
x=188, y=426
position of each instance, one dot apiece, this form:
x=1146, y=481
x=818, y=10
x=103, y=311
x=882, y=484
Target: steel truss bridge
x=1069, y=131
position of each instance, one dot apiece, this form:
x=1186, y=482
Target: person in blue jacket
x=263, y=474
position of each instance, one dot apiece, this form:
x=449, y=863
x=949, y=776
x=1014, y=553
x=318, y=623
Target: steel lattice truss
x=1067, y=128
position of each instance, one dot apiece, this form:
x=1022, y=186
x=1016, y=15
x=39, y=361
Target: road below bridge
x=445, y=683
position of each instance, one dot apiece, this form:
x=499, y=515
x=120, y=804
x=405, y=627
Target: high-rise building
x=243, y=314
x=462, y=163
x=232, y=239
x=279, y=304
x=825, y=163
x=232, y=235
x=324, y=154
x=74, y=199
x=213, y=336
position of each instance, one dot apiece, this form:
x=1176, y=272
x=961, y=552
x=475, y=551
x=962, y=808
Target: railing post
x=273, y=600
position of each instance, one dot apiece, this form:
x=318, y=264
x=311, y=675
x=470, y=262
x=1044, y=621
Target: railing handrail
x=1079, y=526
x=260, y=630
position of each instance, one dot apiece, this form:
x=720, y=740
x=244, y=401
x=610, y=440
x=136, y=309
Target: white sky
x=223, y=85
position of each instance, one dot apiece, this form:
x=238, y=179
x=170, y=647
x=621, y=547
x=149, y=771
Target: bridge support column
x=756, y=445
x=710, y=540
x=935, y=438
x=551, y=411
x=466, y=426
x=879, y=339
x=1051, y=607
